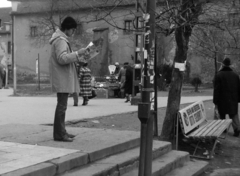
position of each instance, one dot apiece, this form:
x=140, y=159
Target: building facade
x=5, y=37
x=35, y=21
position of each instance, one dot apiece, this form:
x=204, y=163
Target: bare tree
x=184, y=15
x=218, y=38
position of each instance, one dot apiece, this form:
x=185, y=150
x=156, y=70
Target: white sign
x=192, y=116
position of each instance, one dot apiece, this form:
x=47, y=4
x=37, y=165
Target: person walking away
x=63, y=74
x=2, y=75
x=226, y=94
x=85, y=78
x=128, y=81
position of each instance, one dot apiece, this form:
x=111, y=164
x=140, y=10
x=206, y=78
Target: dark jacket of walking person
x=128, y=81
x=226, y=94
x=85, y=78
x=63, y=74
x=2, y=75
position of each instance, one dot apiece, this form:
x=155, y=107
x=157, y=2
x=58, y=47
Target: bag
x=94, y=94
x=122, y=85
x=216, y=113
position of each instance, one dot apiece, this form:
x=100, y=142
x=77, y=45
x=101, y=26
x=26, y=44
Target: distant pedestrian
x=128, y=81
x=226, y=94
x=63, y=74
x=117, y=69
x=85, y=78
x=122, y=78
x=2, y=76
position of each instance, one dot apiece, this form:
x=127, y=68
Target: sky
x=5, y=3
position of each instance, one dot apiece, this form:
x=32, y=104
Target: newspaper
x=94, y=47
x=93, y=52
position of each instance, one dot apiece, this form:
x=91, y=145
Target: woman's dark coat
x=226, y=91
x=129, y=80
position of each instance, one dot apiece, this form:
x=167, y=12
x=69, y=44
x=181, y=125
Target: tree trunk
x=174, y=96
x=182, y=35
x=196, y=87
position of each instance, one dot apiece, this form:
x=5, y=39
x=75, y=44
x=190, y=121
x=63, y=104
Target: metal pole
x=144, y=106
x=156, y=91
x=149, y=62
x=14, y=69
x=143, y=138
x=38, y=72
x=143, y=133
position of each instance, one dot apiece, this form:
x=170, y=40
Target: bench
x=195, y=126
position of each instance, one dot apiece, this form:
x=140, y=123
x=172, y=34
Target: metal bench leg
x=196, y=148
x=224, y=136
x=212, y=152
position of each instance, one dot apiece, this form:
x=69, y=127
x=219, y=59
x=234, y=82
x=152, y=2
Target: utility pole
x=145, y=108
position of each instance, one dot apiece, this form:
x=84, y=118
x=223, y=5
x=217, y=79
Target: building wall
x=121, y=46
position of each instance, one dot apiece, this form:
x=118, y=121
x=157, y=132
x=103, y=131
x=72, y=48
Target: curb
x=62, y=164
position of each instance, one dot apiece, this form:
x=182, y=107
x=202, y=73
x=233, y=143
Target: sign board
x=192, y=116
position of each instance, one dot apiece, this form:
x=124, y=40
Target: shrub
x=196, y=82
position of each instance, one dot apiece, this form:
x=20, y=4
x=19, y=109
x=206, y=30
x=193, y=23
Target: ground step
x=120, y=163
x=165, y=164
x=190, y=168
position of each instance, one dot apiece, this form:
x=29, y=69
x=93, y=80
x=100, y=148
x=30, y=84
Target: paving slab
x=16, y=156
x=24, y=145
x=226, y=172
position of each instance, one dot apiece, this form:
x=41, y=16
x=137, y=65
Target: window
x=128, y=26
x=9, y=47
x=33, y=31
x=233, y=19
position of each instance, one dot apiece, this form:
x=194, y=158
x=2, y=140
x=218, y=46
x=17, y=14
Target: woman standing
x=85, y=83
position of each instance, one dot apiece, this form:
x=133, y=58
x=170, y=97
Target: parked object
x=196, y=128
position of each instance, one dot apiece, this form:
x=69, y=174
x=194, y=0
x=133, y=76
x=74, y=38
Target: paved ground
x=40, y=110
x=24, y=142
x=23, y=146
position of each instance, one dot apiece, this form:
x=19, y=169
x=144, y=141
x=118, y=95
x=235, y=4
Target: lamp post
x=145, y=110
x=14, y=68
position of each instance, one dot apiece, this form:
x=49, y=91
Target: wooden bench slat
x=202, y=129
x=213, y=128
x=210, y=128
x=223, y=127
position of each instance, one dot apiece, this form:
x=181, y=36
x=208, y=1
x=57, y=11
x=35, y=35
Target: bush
x=196, y=82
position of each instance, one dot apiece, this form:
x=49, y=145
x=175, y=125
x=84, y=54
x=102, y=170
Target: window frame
x=33, y=31
x=128, y=26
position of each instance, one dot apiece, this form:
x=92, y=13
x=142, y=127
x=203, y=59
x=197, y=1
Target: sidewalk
x=40, y=110
x=27, y=147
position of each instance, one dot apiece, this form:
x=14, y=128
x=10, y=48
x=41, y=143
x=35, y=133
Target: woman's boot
x=85, y=101
x=127, y=98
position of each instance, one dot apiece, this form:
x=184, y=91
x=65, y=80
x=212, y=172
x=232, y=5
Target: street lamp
x=14, y=9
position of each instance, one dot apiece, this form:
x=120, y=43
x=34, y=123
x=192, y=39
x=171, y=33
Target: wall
x=27, y=50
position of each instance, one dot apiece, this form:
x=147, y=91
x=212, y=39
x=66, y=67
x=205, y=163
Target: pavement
x=27, y=147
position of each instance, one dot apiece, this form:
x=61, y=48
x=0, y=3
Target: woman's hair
x=68, y=23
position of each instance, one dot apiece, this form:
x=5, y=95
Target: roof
x=38, y=6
